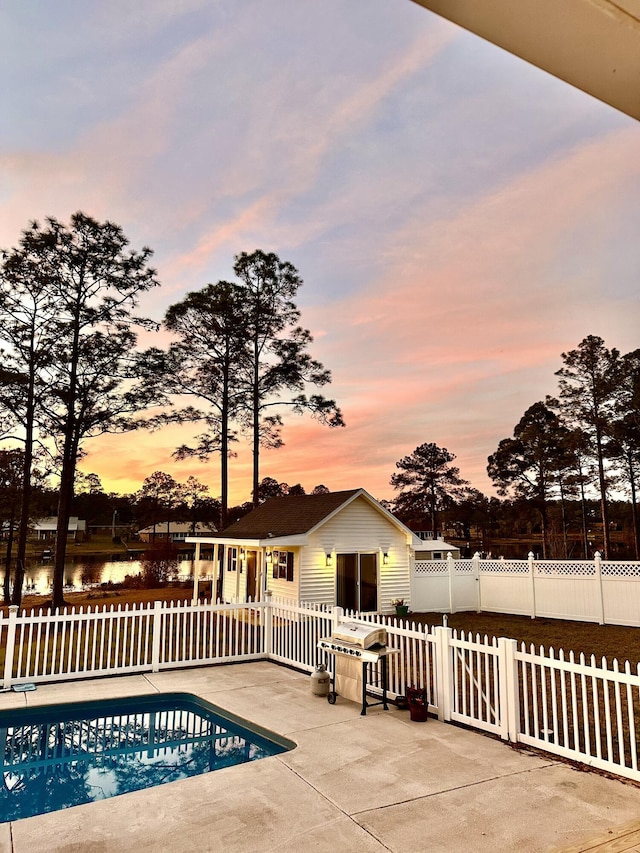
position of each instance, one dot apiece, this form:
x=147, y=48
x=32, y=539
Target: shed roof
x=435, y=545
x=288, y=516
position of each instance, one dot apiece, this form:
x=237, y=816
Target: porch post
x=238, y=571
x=223, y=565
x=196, y=572
x=215, y=573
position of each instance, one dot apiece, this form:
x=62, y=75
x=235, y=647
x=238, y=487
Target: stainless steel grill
x=354, y=646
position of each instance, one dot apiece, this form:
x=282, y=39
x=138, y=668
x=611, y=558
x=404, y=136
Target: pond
x=85, y=572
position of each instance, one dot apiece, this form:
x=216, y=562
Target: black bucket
x=418, y=704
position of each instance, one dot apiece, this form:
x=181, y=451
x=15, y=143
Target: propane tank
x=320, y=679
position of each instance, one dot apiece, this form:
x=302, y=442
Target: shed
x=339, y=548
x=436, y=549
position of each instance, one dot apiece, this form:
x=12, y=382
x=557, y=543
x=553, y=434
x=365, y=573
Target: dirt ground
x=609, y=641
x=99, y=597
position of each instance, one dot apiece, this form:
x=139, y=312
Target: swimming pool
x=58, y=756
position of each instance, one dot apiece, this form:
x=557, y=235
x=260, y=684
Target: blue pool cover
x=58, y=756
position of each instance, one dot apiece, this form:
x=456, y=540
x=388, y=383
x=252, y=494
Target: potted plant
x=402, y=609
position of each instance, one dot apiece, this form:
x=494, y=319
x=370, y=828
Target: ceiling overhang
x=592, y=44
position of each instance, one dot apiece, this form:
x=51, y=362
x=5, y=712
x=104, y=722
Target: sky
x=459, y=217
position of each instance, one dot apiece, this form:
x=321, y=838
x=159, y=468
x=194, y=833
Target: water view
x=86, y=572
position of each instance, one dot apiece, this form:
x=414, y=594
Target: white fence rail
x=79, y=643
x=582, y=590
x=573, y=708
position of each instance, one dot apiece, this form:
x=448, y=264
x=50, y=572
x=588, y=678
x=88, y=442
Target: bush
x=159, y=564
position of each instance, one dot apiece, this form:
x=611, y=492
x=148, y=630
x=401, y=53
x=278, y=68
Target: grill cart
x=357, y=649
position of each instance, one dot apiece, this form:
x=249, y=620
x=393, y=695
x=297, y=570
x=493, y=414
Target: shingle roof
x=288, y=516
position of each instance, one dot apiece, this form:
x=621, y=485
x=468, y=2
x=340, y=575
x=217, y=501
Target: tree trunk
x=62, y=530
x=634, y=508
x=545, y=531
x=565, y=544
x=256, y=432
x=25, y=504
x=224, y=446
x=7, y=561
x=604, y=508
x=583, y=507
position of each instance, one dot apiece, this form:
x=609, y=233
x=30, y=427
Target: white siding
x=282, y=588
x=358, y=528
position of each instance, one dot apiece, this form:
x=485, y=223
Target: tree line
x=70, y=368
x=582, y=442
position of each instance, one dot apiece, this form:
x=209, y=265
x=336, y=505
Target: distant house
x=46, y=528
x=436, y=549
x=177, y=532
x=341, y=548
x=5, y=527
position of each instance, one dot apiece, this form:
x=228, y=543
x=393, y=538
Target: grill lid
x=364, y=636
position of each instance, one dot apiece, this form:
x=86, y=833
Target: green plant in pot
x=402, y=609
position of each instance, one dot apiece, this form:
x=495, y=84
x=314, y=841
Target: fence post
x=268, y=622
x=10, y=646
x=444, y=671
x=337, y=613
x=476, y=570
x=157, y=636
x=598, y=563
x=451, y=567
x=532, y=567
x=509, y=697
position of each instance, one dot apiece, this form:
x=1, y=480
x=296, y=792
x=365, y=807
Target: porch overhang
x=294, y=541
x=592, y=44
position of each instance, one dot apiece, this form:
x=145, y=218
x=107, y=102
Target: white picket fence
x=582, y=590
x=581, y=710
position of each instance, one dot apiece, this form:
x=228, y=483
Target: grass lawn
x=610, y=641
x=99, y=597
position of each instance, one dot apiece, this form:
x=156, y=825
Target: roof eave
x=295, y=540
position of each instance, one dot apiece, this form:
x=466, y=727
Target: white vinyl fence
x=585, y=711
x=578, y=709
x=583, y=590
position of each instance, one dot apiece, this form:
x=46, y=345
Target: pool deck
x=374, y=783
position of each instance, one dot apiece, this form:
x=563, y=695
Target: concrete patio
x=374, y=783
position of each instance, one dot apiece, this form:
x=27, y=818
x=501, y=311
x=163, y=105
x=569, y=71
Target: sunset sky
x=459, y=217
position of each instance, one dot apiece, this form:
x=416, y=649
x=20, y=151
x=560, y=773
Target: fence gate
x=475, y=684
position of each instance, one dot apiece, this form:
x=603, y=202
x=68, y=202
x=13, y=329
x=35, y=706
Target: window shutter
x=289, y=565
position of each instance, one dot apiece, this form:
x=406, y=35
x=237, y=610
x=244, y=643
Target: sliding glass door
x=357, y=581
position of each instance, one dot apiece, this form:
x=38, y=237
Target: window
x=283, y=565
x=232, y=559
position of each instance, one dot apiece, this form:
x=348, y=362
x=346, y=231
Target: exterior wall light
x=269, y=557
x=329, y=560
x=385, y=559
